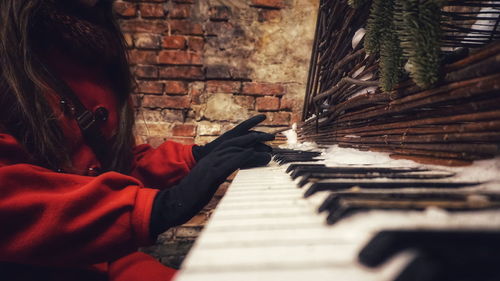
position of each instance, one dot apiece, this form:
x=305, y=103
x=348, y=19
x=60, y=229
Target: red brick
x=166, y=101
x=276, y=118
x=137, y=100
x=142, y=57
x=296, y=117
x=269, y=15
x=149, y=87
x=185, y=27
x=150, y=10
x=146, y=71
x=198, y=220
x=180, y=11
x=176, y=88
x=144, y=26
x=227, y=72
x=196, y=43
x=129, y=40
x=176, y=57
x=230, y=87
x=267, y=103
x=125, y=9
x=184, y=130
x=174, y=42
x=147, y=41
x=263, y=89
x=290, y=104
x=182, y=72
x=183, y=140
x=219, y=13
x=222, y=189
x=245, y=101
x=232, y=176
x=277, y=4
x=218, y=71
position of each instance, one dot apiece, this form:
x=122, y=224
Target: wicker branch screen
x=387, y=98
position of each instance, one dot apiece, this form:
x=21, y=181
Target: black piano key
x=319, y=176
x=287, y=160
x=332, y=185
x=298, y=171
x=450, y=196
x=434, y=268
x=327, y=202
x=342, y=205
x=284, y=156
x=468, y=255
x=423, y=268
x=292, y=167
x=342, y=213
x=280, y=151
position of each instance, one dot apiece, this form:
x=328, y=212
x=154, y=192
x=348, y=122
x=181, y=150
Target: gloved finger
x=227, y=152
x=248, y=140
x=257, y=159
x=233, y=162
x=260, y=147
x=248, y=124
x=268, y=135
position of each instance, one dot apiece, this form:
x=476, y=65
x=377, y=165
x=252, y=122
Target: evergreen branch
x=420, y=35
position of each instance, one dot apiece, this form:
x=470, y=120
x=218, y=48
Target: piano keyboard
x=265, y=229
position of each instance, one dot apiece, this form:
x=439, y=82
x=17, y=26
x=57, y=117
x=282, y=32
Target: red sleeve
x=49, y=218
x=139, y=266
x=164, y=166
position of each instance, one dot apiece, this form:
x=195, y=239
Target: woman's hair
x=25, y=79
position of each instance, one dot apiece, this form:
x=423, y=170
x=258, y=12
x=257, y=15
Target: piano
x=266, y=229
x=403, y=180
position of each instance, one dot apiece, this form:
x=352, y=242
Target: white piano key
x=281, y=256
x=351, y=272
x=266, y=223
x=317, y=234
x=258, y=213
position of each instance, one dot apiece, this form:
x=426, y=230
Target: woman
x=77, y=198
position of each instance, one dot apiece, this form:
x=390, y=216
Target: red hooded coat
x=83, y=226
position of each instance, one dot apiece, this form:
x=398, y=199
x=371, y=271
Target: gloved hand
x=180, y=203
x=242, y=129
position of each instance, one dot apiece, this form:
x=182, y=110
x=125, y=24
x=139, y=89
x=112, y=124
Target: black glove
x=242, y=129
x=253, y=140
x=180, y=203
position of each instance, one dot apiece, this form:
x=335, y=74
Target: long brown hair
x=24, y=78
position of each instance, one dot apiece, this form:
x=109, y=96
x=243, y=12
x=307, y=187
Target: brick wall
x=202, y=66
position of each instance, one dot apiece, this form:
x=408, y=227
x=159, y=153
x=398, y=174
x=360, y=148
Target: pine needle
x=382, y=39
x=420, y=32
x=375, y=27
